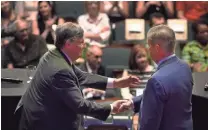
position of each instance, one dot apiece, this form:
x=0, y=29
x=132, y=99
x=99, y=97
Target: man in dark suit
x=53, y=100
x=166, y=101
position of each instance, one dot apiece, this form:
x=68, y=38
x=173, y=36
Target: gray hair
x=67, y=31
x=164, y=34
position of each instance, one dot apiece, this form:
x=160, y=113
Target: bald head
x=94, y=56
x=20, y=23
x=94, y=49
x=22, y=30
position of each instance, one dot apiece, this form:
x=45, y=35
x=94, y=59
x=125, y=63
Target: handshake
x=121, y=106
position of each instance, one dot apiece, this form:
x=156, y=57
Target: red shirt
x=192, y=9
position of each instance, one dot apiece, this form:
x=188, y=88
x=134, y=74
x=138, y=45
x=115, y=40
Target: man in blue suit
x=166, y=101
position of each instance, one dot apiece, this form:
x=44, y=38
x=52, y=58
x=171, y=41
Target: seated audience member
x=7, y=19
x=145, y=8
x=195, y=53
x=46, y=19
x=157, y=19
x=191, y=10
x=27, y=9
x=95, y=24
x=116, y=10
x=26, y=48
x=93, y=65
x=138, y=61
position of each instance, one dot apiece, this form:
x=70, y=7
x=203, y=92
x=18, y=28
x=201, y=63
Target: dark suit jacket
x=101, y=69
x=54, y=101
x=166, y=102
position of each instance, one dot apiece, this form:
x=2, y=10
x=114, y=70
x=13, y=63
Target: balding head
x=94, y=56
x=163, y=35
x=22, y=30
x=94, y=49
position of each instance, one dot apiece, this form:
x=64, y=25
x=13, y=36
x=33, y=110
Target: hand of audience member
x=127, y=81
x=10, y=66
x=115, y=3
x=49, y=23
x=5, y=42
x=97, y=92
x=104, y=29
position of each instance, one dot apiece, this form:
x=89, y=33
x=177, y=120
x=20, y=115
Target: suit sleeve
x=64, y=86
x=137, y=102
x=43, y=47
x=91, y=80
x=153, y=102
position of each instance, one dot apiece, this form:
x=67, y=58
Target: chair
x=115, y=58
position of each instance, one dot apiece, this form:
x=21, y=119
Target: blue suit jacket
x=166, y=101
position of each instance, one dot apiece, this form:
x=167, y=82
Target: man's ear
x=67, y=44
x=157, y=47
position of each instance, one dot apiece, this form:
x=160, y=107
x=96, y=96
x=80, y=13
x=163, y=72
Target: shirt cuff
x=110, y=83
x=132, y=103
x=111, y=109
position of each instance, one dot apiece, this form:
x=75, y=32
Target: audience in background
x=116, y=10
x=46, y=19
x=145, y=8
x=27, y=9
x=95, y=24
x=8, y=17
x=93, y=65
x=195, y=53
x=26, y=48
x=157, y=19
x=138, y=61
x=191, y=10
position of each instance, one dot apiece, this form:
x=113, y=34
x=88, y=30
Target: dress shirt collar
x=165, y=59
x=66, y=57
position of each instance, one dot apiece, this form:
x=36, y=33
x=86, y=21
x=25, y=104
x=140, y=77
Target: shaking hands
x=121, y=106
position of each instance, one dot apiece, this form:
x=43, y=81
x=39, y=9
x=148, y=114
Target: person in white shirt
x=95, y=24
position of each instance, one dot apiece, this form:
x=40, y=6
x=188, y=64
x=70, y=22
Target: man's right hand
x=121, y=106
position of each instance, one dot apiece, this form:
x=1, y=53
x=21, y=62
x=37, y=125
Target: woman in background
x=8, y=17
x=138, y=61
x=96, y=25
x=46, y=18
x=116, y=10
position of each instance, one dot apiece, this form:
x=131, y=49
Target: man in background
x=25, y=49
x=157, y=19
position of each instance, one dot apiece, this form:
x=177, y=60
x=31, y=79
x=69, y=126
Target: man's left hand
x=128, y=81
